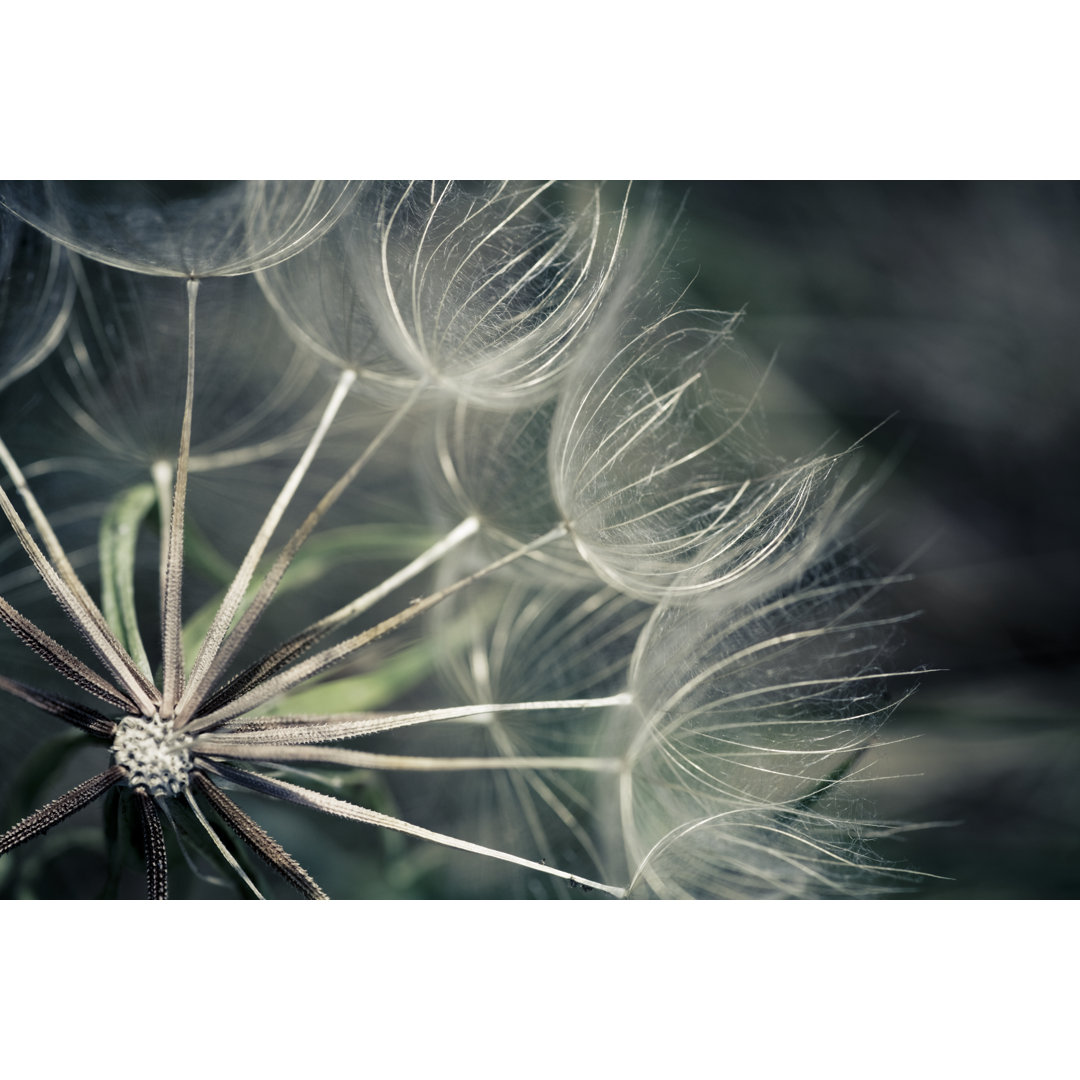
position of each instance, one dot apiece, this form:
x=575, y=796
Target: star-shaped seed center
x=157, y=758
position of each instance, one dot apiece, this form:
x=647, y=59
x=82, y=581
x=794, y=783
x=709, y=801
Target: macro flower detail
x=175, y=229
x=482, y=291
x=756, y=717
x=661, y=473
x=564, y=617
x=35, y=302
x=155, y=758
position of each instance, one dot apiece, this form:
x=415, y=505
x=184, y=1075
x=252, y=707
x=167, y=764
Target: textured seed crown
x=156, y=757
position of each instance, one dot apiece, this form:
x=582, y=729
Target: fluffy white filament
x=662, y=476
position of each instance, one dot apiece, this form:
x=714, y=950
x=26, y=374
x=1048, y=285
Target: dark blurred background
x=941, y=322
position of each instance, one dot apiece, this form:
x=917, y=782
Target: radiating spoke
x=284, y=730
x=172, y=640
x=157, y=873
x=229, y=857
x=52, y=814
x=260, y=841
x=60, y=660
x=239, y=633
x=360, y=759
x=281, y=789
x=59, y=575
x=307, y=669
x=101, y=639
x=312, y=635
x=82, y=716
x=235, y=594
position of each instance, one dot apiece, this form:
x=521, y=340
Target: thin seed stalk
x=281, y=789
x=260, y=841
x=235, y=594
x=172, y=639
x=153, y=838
x=305, y=670
x=308, y=638
x=60, y=809
x=235, y=639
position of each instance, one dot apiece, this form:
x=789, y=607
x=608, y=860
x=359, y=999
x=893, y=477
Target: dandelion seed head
x=659, y=676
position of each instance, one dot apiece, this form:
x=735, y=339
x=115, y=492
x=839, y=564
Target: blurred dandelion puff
x=664, y=478
x=747, y=740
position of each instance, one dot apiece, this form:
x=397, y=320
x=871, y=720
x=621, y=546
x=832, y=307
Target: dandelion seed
x=478, y=292
x=664, y=483
x=181, y=228
x=747, y=717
